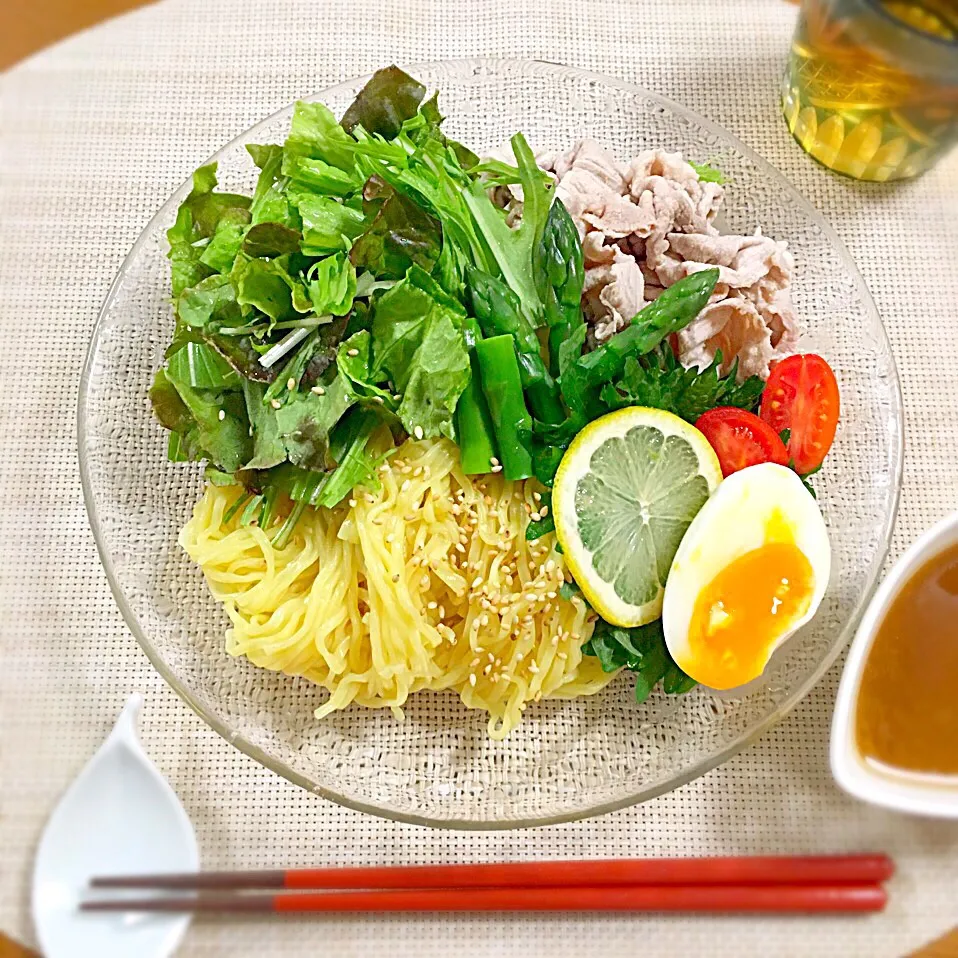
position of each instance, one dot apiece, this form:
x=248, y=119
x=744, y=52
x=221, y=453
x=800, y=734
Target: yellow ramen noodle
x=427, y=583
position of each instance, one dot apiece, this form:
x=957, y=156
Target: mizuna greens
x=371, y=286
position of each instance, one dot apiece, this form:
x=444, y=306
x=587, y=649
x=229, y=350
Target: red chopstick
x=807, y=870
x=620, y=898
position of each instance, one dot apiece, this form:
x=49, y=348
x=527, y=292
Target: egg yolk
x=741, y=614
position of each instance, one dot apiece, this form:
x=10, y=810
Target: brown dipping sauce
x=907, y=711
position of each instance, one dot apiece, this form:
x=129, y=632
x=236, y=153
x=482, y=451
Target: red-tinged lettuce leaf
x=305, y=424
x=388, y=99
x=267, y=240
x=238, y=351
x=221, y=424
x=197, y=219
x=401, y=234
x=431, y=120
x=325, y=354
x=206, y=206
x=170, y=411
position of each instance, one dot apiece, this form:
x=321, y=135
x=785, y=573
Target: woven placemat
x=96, y=133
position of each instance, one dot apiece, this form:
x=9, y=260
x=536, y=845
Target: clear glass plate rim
x=694, y=771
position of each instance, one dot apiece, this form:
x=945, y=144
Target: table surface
x=97, y=132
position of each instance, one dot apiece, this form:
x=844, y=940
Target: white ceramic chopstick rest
x=119, y=816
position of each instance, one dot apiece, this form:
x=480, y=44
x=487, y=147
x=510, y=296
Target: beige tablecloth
x=96, y=133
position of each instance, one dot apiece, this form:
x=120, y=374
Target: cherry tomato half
x=801, y=395
x=740, y=439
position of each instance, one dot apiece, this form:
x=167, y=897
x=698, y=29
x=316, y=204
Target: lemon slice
x=626, y=490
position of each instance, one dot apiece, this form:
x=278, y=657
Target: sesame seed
x=291, y=384
x=369, y=498
x=531, y=597
x=275, y=403
x=496, y=469
x=537, y=496
x=480, y=649
x=319, y=392
x=352, y=352
x=396, y=577
x=405, y=485
x=406, y=471
x=551, y=595
x=493, y=461
x=487, y=500
x=442, y=612
x=492, y=657
x=418, y=472
x=251, y=431
x=417, y=432
x=409, y=516
x=424, y=581
x=390, y=539
x=494, y=678
x=397, y=396
x=562, y=655
x=550, y=566
x=543, y=512
x=399, y=463
x=477, y=582
x=474, y=662
x=378, y=399
x=487, y=669
x=555, y=640
x=547, y=607
x=472, y=681
x=460, y=547
x=484, y=619
x=222, y=414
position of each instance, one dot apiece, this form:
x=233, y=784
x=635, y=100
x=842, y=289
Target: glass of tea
x=871, y=87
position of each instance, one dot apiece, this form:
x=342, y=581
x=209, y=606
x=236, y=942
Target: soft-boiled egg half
x=751, y=569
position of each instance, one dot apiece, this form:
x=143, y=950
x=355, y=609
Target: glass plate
x=568, y=759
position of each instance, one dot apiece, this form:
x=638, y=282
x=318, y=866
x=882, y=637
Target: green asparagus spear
x=559, y=271
x=673, y=310
x=510, y=417
x=499, y=313
x=474, y=429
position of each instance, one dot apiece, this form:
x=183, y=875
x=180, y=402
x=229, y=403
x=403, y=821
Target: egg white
x=734, y=521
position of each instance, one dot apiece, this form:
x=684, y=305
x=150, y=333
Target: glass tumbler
x=871, y=86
